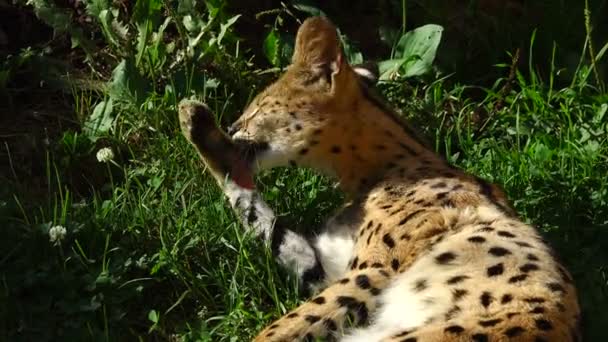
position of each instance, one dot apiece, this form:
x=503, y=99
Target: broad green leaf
x=353, y=55
x=153, y=316
x=186, y=7
x=307, y=7
x=127, y=85
x=106, y=18
x=272, y=47
x=94, y=7
x=225, y=26
x=57, y=18
x=147, y=11
x=100, y=121
x=414, y=53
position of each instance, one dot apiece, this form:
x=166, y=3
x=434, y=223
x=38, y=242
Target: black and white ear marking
x=368, y=72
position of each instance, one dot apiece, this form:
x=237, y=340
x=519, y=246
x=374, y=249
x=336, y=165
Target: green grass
x=153, y=251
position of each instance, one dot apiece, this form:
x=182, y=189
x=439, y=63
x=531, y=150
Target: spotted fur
x=422, y=251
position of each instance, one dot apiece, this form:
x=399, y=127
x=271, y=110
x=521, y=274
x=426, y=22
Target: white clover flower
x=105, y=154
x=57, y=233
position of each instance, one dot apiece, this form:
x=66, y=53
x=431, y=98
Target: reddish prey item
x=241, y=174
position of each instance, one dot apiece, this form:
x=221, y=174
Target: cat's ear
x=318, y=45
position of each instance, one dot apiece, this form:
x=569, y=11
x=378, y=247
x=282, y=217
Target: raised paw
x=196, y=121
x=219, y=152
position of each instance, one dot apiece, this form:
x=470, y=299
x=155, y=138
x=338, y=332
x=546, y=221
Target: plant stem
x=403, y=16
x=592, y=55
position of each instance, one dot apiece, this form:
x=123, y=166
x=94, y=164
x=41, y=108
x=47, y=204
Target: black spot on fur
x=514, y=331
x=336, y=149
x=292, y=315
x=388, y=241
x=529, y=267
x=506, y=234
x=408, y=149
x=543, y=324
x=319, y=300
x=565, y=276
x=441, y=195
x=535, y=300
x=537, y=310
x=523, y=244
x=353, y=305
x=457, y=279
x=512, y=314
x=312, y=319
x=459, y=293
x=391, y=165
x=486, y=190
x=375, y=291
x=363, y=265
x=252, y=216
x=532, y=257
x=405, y=236
x=362, y=281
x=292, y=163
x=346, y=301
x=556, y=287
x=495, y=270
x=486, y=299
x=410, y=339
x=377, y=265
x=403, y=333
x=454, y=329
x=344, y=281
x=420, y=285
x=540, y=339
x=410, y=216
x=480, y=338
x=445, y=258
x=438, y=185
x=303, y=151
x=518, y=278
x=506, y=299
x=395, y=264
x=490, y=322
x=452, y=312
x=330, y=324
x=485, y=229
x=355, y=263
x=477, y=239
x=298, y=127
x=499, y=251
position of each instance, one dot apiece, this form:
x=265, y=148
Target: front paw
x=196, y=121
